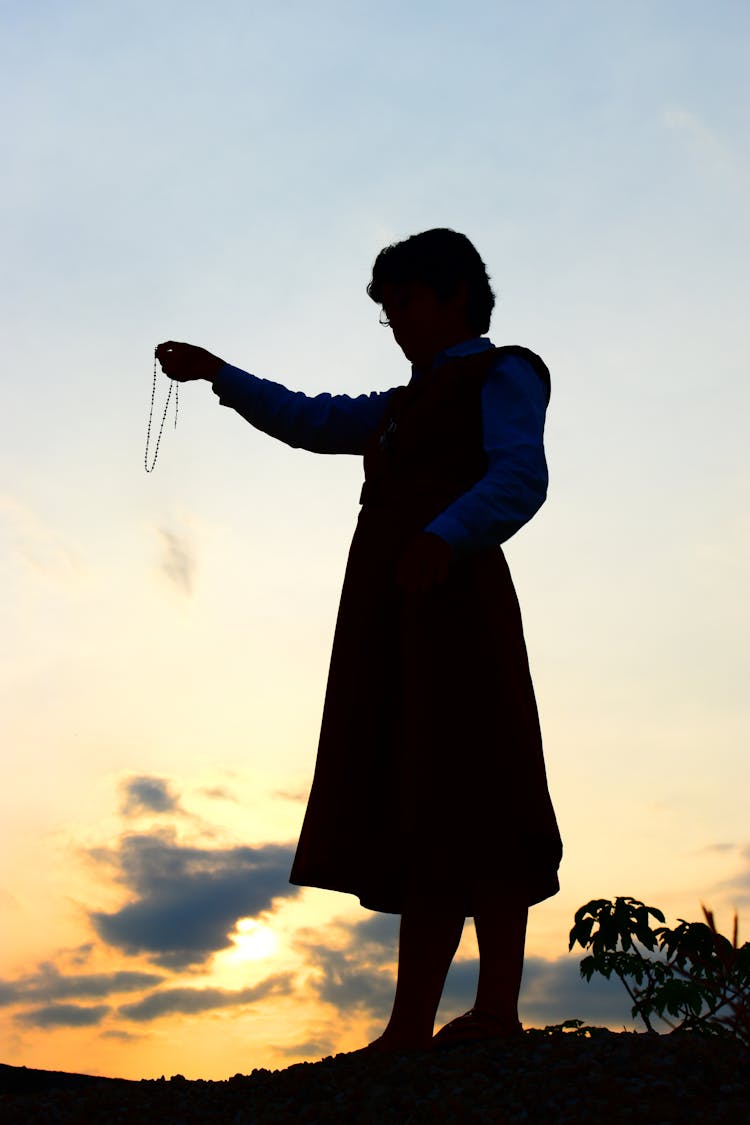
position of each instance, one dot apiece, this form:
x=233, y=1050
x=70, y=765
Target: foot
x=390, y=1043
x=475, y=1026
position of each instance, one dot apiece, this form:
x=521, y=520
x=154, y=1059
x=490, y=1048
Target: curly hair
x=442, y=259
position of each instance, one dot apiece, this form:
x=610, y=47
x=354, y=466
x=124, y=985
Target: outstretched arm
x=321, y=423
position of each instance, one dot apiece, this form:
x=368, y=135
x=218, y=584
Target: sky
x=225, y=174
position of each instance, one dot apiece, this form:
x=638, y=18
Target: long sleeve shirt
x=514, y=404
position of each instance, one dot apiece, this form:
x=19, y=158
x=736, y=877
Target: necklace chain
x=172, y=384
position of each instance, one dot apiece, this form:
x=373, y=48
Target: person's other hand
x=186, y=361
x=424, y=564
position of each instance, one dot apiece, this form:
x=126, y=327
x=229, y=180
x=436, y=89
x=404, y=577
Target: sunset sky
x=225, y=174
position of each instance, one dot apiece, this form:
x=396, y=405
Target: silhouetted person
x=430, y=796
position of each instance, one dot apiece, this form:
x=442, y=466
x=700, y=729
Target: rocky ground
x=543, y=1077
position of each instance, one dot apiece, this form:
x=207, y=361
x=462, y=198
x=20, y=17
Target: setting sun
x=251, y=942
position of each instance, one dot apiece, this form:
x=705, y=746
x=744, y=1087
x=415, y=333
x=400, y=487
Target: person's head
x=434, y=291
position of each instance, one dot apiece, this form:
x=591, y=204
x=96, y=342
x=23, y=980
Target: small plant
x=697, y=974
x=577, y=1028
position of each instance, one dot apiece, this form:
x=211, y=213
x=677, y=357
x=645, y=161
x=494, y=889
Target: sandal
x=475, y=1026
x=381, y=1046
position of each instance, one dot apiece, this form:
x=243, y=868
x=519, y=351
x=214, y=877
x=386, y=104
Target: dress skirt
x=430, y=774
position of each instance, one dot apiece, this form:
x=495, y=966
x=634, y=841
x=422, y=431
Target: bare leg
x=500, y=920
x=428, y=939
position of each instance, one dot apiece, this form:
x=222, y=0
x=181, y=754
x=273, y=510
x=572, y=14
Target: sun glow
x=251, y=941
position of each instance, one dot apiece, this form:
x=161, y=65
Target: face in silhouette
x=424, y=323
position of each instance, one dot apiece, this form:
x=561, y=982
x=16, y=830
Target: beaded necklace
x=172, y=384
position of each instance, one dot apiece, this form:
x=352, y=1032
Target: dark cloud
x=188, y=899
x=62, y=1015
x=189, y=1001
x=48, y=984
x=7, y=993
x=177, y=560
x=352, y=985
x=80, y=954
x=376, y=937
x=147, y=794
x=358, y=977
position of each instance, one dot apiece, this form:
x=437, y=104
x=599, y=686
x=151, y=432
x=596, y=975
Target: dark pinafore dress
x=430, y=773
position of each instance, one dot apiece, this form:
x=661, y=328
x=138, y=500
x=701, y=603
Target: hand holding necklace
x=186, y=362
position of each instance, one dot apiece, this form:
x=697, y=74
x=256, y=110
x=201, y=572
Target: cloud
x=350, y=984
x=377, y=937
x=190, y=1001
x=738, y=885
x=460, y=988
x=8, y=993
x=62, y=1015
x=188, y=899
x=147, y=794
x=80, y=954
x=298, y=795
x=319, y=1047
x=218, y=793
x=48, y=984
x=177, y=560
x=357, y=977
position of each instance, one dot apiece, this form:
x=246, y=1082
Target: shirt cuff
x=228, y=381
x=451, y=530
